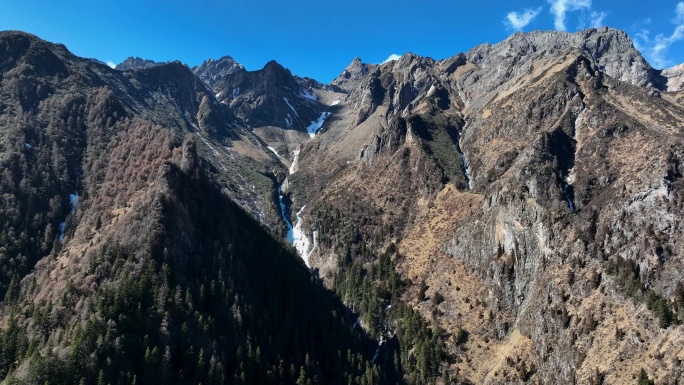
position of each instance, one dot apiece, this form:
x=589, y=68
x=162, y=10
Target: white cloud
x=559, y=8
x=391, y=57
x=642, y=34
x=655, y=49
x=111, y=63
x=518, y=21
x=597, y=19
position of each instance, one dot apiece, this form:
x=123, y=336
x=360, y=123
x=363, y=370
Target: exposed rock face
x=675, y=77
x=271, y=96
x=213, y=70
x=136, y=63
x=544, y=158
x=611, y=50
x=354, y=71
x=283, y=110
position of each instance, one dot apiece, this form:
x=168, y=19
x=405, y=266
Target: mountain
x=283, y=110
x=612, y=51
x=675, y=77
x=212, y=70
x=530, y=191
x=131, y=249
x=511, y=214
x=136, y=63
x=354, y=71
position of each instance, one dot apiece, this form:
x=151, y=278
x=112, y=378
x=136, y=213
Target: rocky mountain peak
x=611, y=49
x=675, y=77
x=411, y=64
x=37, y=56
x=354, y=71
x=213, y=70
x=275, y=67
x=136, y=63
x=451, y=64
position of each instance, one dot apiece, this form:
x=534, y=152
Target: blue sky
x=319, y=38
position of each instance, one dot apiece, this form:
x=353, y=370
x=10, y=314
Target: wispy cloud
x=559, y=8
x=642, y=33
x=111, y=63
x=391, y=57
x=655, y=49
x=597, y=19
x=517, y=21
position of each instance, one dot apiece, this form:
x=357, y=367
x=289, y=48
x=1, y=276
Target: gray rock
x=136, y=63
x=611, y=50
x=213, y=70
x=675, y=77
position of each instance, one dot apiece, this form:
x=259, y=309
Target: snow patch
x=307, y=94
x=301, y=241
x=335, y=102
x=570, y=179
x=27, y=146
x=288, y=120
x=292, y=108
x=235, y=93
x=283, y=212
x=275, y=152
x=431, y=91
x=218, y=95
x=317, y=124
x=293, y=166
x=467, y=171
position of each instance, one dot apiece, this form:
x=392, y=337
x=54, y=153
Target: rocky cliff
x=136, y=63
x=530, y=191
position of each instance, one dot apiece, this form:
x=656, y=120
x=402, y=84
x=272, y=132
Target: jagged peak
x=272, y=64
x=211, y=70
x=226, y=60
x=410, y=58
x=354, y=71
x=550, y=38
x=276, y=69
x=176, y=68
x=674, y=77
x=611, y=49
x=356, y=65
x=136, y=63
x=451, y=64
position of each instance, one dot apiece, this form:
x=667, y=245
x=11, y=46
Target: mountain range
x=512, y=214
